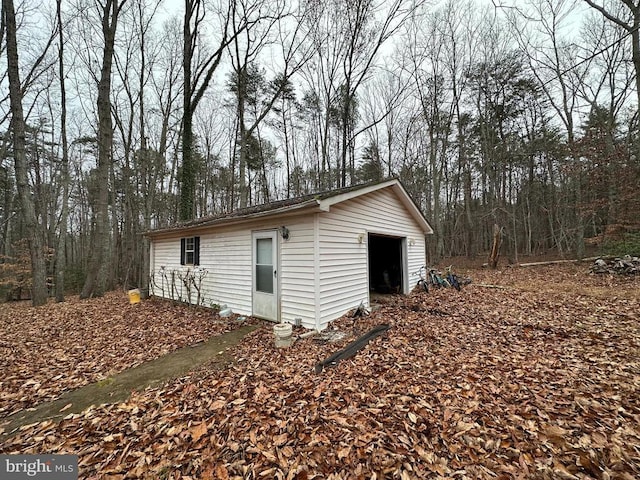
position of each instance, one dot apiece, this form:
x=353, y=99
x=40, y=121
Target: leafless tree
x=95, y=282
x=61, y=259
x=167, y=87
x=348, y=38
x=627, y=18
x=199, y=65
x=269, y=30
x=554, y=62
x=36, y=247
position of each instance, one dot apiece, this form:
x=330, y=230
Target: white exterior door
x=265, y=275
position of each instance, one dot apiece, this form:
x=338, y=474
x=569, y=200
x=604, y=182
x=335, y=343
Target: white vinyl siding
x=166, y=253
x=165, y=263
x=343, y=268
x=323, y=267
x=297, y=277
x=344, y=281
x=227, y=257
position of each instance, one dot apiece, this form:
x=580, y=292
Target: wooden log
x=554, y=262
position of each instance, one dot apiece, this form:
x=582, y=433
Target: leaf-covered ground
x=537, y=380
x=62, y=346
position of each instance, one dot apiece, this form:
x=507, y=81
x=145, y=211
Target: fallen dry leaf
x=60, y=346
x=537, y=381
x=198, y=431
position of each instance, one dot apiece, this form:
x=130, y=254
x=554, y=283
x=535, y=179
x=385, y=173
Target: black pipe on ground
x=353, y=348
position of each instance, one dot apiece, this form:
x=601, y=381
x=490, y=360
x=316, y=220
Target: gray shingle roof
x=265, y=208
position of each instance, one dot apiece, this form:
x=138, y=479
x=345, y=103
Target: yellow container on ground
x=134, y=296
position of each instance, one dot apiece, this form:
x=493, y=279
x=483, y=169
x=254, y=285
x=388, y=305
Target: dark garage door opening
x=385, y=264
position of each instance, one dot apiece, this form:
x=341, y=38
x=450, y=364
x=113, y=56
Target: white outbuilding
x=304, y=260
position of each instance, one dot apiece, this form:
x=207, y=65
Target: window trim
x=186, y=252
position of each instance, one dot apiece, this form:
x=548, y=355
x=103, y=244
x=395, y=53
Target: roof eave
x=283, y=212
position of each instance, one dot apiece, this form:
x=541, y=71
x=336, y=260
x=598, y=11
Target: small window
x=190, y=251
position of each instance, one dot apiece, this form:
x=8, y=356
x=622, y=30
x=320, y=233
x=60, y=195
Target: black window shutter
x=183, y=245
x=196, y=250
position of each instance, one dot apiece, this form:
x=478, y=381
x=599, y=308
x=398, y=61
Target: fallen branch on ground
x=486, y=285
x=555, y=262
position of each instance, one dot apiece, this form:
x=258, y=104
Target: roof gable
x=397, y=188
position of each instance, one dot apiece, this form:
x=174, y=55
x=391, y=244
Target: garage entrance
x=386, y=264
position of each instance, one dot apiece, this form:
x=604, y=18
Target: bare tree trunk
x=196, y=83
x=38, y=265
x=346, y=132
x=286, y=148
x=495, y=249
x=242, y=157
x=8, y=200
x=61, y=250
x=94, y=284
x=146, y=261
x=188, y=175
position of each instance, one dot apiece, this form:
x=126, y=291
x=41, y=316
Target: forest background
x=119, y=116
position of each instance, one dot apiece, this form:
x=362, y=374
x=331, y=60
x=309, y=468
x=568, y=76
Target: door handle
x=275, y=273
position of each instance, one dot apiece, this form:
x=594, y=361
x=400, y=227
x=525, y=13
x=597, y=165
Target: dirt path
x=118, y=388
